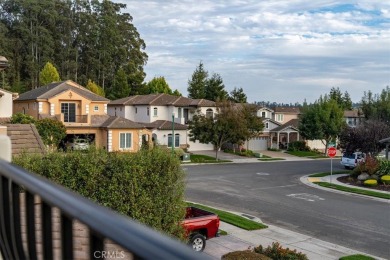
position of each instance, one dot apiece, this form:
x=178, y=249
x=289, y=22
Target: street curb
x=305, y=180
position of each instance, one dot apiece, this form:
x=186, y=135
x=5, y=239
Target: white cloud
x=273, y=49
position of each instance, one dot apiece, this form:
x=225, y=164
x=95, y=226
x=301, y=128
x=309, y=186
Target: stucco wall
x=5, y=104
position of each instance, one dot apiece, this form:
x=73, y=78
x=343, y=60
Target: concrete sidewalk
x=239, y=239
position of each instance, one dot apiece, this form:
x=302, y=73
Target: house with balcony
x=84, y=115
x=166, y=116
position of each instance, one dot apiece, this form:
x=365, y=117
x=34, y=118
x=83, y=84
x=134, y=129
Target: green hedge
x=147, y=186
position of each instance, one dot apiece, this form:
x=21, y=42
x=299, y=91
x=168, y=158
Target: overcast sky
x=283, y=51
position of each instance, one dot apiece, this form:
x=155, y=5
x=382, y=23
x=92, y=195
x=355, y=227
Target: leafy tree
x=343, y=100
x=365, y=137
x=215, y=89
x=254, y=124
x=322, y=120
x=120, y=88
x=197, y=85
x=377, y=107
x=228, y=125
x=92, y=86
x=48, y=74
x=237, y=95
x=159, y=85
x=51, y=132
x=20, y=118
x=176, y=93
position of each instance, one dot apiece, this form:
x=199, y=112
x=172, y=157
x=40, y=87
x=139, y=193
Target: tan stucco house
x=84, y=115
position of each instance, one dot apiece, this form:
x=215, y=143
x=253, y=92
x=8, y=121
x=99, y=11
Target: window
x=147, y=111
x=266, y=125
x=263, y=114
x=177, y=140
x=209, y=113
x=125, y=140
x=69, y=111
x=35, y=106
x=155, y=111
x=96, y=108
x=179, y=112
x=136, y=110
x=279, y=117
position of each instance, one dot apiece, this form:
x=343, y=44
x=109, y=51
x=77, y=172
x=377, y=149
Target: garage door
x=258, y=144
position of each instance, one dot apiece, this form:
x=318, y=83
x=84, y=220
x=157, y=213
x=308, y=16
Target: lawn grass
x=323, y=174
x=354, y=190
x=231, y=218
x=356, y=257
x=200, y=158
x=271, y=159
x=303, y=153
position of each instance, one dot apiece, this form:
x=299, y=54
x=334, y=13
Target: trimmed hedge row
x=147, y=186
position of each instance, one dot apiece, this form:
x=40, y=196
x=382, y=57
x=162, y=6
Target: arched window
x=155, y=111
x=209, y=113
x=177, y=140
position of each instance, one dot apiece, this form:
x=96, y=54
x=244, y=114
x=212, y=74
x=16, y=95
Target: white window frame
x=263, y=114
x=96, y=108
x=155, y=111
x=266, y=125
x=176, y=140
x=209, y=113
x=279, y=117
x=127, y=142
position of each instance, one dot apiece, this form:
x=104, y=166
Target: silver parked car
x=351, y=160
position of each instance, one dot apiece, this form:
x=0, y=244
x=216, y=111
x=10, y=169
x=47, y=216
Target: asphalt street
x=273, y=192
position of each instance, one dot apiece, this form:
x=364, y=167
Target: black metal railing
x=103, y=223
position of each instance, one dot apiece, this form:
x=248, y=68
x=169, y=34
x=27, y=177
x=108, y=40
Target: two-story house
x=353, y=117
x=167, y=116
x=84, y=115
x=280, y=128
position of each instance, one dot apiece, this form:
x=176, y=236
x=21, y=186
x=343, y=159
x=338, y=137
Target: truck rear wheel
x=197, y=242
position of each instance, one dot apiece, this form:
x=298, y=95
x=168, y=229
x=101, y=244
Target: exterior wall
x=162, y=137
x=271, y=126
x=286, y=117
x=268, y=113
x=118, y=111
x=27, y=107
x=5, y=104
x=196, y=146
x=136, y=139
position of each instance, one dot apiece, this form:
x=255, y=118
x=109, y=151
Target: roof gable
x=54, y=89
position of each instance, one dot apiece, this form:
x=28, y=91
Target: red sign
x=332, y=151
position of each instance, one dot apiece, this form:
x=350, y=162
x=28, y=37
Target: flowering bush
x=276, y=251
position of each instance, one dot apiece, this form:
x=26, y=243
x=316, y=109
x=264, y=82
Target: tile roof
x=289, y=110
x=107, y=121
x=162, y=100
x=25, y=139
x=352, y=113
x=56, y=88
x=165, y=125
x=292, y=123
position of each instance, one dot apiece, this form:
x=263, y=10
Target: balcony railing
x=32, y=238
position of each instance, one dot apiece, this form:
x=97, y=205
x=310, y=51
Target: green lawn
x=231, y=218
x=354, y=190
x=270, y=159
x=200, y=158
x=356, y=257
x=305, y=154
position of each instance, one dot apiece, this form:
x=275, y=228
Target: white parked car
x=351, y=160
x=79, y=144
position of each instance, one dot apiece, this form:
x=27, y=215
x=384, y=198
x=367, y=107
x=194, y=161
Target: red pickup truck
x=200, y=225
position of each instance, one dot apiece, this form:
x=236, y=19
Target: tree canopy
x=83, y=39
x=237, y=95
x=159, y=85
x=197, y=84
x=92, y=86
x=377, y=106
x=322, y=120
x=48, y=74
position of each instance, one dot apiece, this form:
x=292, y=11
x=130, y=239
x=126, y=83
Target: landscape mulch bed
x=355, y=182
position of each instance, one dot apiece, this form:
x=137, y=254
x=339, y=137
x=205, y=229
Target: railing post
x=5, y=151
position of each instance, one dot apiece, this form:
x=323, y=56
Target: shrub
x=276, y=251
x=385, y=179
x=147, y=186
x=370, y=166
x=298, y=146
x=247, y=254
x=20, y=118
x=370, y=183
x=384, y=168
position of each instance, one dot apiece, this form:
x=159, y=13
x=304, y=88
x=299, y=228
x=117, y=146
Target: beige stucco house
x=84, y=115
x=5, y=103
